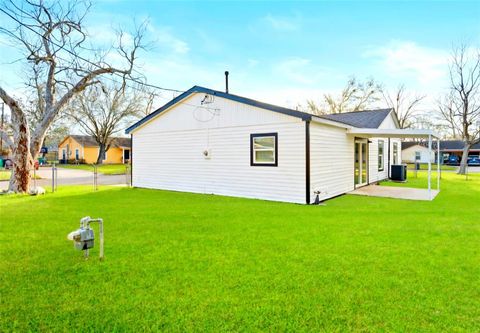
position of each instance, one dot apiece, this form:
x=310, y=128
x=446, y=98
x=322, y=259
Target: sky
x=286, y=52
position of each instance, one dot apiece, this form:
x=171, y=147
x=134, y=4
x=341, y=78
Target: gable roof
x=89, y=141
x=361, y=119
x=236, y=98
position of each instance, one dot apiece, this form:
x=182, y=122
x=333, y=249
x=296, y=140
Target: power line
x=86, y=60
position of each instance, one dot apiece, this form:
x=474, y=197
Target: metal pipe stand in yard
x=95, y=177
x=84, y=237
x=54, y=178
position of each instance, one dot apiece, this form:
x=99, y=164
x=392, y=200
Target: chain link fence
x=50, y=177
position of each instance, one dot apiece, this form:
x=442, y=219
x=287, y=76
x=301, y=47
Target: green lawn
x=106, y=169
x=189, y=262
x=5, y=175
x=424, y=166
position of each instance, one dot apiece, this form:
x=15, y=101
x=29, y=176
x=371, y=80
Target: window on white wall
x=263, y=149
x=395, y=153
x=418, y=156
x=381, y=149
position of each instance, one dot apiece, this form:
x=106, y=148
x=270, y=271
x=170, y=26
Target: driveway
x=71, y=177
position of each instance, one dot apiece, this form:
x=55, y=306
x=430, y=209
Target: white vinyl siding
x=331, y=161
x=168, y=152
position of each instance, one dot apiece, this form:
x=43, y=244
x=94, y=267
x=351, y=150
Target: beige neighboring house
x=84, y=148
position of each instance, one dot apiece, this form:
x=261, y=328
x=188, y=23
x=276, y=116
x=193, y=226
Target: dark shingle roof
x=444, y=145
x=409, y=144
x=85, y=140
x=361, y=119
x=89, y=141
x=455, y=145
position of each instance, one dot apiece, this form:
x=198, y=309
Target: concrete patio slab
x=406, y=193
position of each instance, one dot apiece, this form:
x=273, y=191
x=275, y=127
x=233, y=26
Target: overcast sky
x=286, y=52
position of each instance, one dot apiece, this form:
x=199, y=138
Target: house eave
x=393, y=133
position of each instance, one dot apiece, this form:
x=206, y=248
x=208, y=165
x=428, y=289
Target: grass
x=106, y=169
x=189, y=262
x=424, y=166
x=5, y=175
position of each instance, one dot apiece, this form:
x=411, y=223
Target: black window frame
x=383, y=155
x=259, y=135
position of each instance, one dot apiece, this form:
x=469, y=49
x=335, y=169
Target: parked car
x=473, y=161
x=452, y=160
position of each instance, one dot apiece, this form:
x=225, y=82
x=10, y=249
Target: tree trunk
x=22, y=158
x=463, y=163
x=101, y=153
x=22, y=162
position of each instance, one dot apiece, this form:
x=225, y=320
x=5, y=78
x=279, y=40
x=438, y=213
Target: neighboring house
x=85, y=149
x=208, y=141
x=417, y=152
x=455, y=147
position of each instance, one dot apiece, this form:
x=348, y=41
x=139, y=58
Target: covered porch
x=402, y=192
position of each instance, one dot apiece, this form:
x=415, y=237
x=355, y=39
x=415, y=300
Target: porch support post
x=430, y=166
x=438, y=164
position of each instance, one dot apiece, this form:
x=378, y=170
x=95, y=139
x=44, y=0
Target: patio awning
x=393, y=133
x=403, y=134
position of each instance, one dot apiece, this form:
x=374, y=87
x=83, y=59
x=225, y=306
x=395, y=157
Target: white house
x=416, y=152
x=207, y=141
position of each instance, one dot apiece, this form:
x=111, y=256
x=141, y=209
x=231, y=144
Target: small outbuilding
x=208, y=141
x=416, y=152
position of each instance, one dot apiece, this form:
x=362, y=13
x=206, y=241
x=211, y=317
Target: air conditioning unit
x=398, y=172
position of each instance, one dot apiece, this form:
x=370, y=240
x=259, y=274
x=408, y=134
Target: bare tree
x=448, y=114
x=461, y=108
x=355, y=96
x=404, y=104
x=148, y=96
x=52, y=38
x=101, y=110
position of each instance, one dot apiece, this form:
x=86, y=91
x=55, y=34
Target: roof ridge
x=358, y=111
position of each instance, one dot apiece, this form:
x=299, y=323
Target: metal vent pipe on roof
x=226, y=81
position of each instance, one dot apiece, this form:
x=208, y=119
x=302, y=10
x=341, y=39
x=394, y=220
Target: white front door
x=361, y=162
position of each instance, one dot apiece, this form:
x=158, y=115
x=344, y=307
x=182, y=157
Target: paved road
x=71, y=177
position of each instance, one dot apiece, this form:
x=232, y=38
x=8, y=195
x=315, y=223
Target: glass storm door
x=361, y=165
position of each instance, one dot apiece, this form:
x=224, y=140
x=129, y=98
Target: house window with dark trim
x=77, y=154
x=264, y=149
x=381, y=145
x=418, y=156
